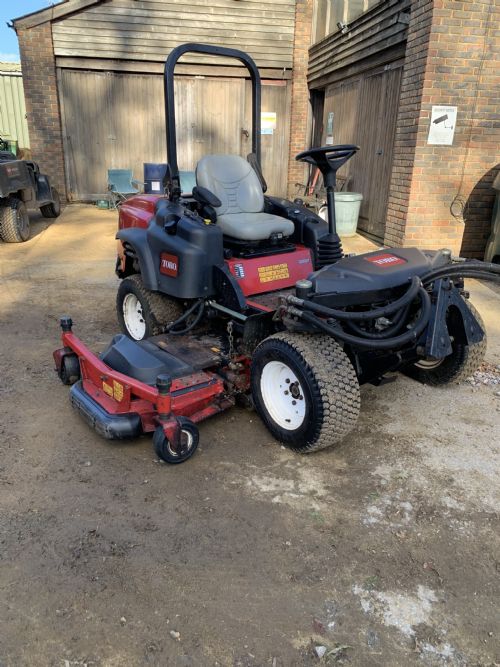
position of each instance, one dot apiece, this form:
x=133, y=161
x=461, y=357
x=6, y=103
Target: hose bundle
x=417, y=295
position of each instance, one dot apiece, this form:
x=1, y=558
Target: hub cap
x=133, y=317
x=282, y=395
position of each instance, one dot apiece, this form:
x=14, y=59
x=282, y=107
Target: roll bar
x=170, y=63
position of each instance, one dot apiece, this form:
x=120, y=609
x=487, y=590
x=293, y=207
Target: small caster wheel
x=190, y=437
x=70, y=369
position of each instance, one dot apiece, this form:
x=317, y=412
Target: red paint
x=267, y=274
x=169, y=264
x=196, y=396
x=138, y=211
x=385, y=259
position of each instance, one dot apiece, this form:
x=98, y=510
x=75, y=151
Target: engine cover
x=370, y=276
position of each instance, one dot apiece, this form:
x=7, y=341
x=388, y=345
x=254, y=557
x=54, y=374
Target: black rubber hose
x=464, y=273
x=391, y=330
x=364, y=315
x=201, y=305
x=410, y=336
x=463, y=268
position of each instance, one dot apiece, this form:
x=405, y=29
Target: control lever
x=205, y=196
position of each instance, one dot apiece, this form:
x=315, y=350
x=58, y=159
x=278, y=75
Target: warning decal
x=117, y=391
x=273, y=272
x=108, y=389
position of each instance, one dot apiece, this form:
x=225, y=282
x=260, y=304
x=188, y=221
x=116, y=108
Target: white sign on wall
x=442, y=128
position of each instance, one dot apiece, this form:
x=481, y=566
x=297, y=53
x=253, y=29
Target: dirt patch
x=384, y=551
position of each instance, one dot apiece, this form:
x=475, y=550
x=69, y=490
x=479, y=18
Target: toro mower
x=227, y=293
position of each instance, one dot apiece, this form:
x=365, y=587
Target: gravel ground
x=381, y=552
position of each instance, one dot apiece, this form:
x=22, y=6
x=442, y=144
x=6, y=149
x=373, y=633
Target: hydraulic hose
x=364, y=315
x=391, y=330
x=468, y=269
x=198, y=304
x=396, y=342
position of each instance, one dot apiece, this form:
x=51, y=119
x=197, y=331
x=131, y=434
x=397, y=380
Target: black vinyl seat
x=142, y=360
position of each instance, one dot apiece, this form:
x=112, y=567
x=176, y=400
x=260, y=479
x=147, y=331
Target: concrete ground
x=384, y=550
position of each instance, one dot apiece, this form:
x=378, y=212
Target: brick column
x=300, y=107
x=42, y=103
x=437, y=192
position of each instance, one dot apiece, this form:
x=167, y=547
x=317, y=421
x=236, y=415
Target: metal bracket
x=438, y=343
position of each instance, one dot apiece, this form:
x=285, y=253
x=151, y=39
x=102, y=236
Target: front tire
x=305, y=390
x=463, y=361
x=14, y=221
x=190, y=438
x=141, y=312
x=70, y=372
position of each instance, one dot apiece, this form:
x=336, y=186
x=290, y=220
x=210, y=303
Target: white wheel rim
x=428, y=364
x=186, y=442
x=133, y=317
x=283, y=395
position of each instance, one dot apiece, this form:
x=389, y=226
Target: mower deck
x=119, y=405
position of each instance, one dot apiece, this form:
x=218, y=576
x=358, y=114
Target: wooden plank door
x=113, y=120
x=365, y=110
x=376, y=127
x=276, y=98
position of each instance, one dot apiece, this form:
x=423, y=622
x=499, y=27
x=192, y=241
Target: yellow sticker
x=108, y=389
x=274, y=272
x=118, y=391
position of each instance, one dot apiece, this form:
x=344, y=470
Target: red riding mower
x=228, y=293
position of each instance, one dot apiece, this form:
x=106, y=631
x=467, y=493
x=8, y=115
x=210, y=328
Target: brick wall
x=300, y=109
x=440, y=192
x=42, y=104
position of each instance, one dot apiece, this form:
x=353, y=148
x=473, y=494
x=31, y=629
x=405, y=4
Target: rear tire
x=456, y=367
x=141, y=312
x=305, y=390
x=14, y=221
x=190, y=438
x=52, y=210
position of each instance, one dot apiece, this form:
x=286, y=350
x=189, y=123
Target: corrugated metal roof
x=10, y=67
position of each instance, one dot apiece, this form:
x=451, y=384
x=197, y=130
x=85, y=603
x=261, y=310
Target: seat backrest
x=120, y=180
x=233, y=181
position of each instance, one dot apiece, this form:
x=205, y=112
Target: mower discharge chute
x=229, y=293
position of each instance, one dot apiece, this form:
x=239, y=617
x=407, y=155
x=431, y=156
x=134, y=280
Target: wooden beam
x=52, y=13
x=149, y=67
x=394, y=57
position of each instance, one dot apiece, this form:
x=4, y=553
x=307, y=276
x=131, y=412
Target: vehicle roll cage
x=172, y=182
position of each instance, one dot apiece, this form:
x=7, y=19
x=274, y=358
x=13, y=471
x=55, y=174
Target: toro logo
x=169, y=265
x=385, y=260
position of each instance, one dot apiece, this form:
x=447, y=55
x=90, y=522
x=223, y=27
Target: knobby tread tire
x=333, y=384
x=52, y=210
x=9, y=226
x=461, y=364
x=158, y=309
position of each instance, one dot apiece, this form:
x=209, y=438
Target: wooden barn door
x=376, y=126
x=113, y=120
x=117, y=121
x=365, y=111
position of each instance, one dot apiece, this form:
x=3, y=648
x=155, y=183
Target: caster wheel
x=70, y=369
x=190, y=437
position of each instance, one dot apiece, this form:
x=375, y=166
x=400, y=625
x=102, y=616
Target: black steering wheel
x=328, y=159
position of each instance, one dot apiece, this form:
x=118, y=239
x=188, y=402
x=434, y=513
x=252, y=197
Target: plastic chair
x=121, y=185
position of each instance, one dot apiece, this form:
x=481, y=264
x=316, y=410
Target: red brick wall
x=438, y=192
x=42, y=104
x=300, y=108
